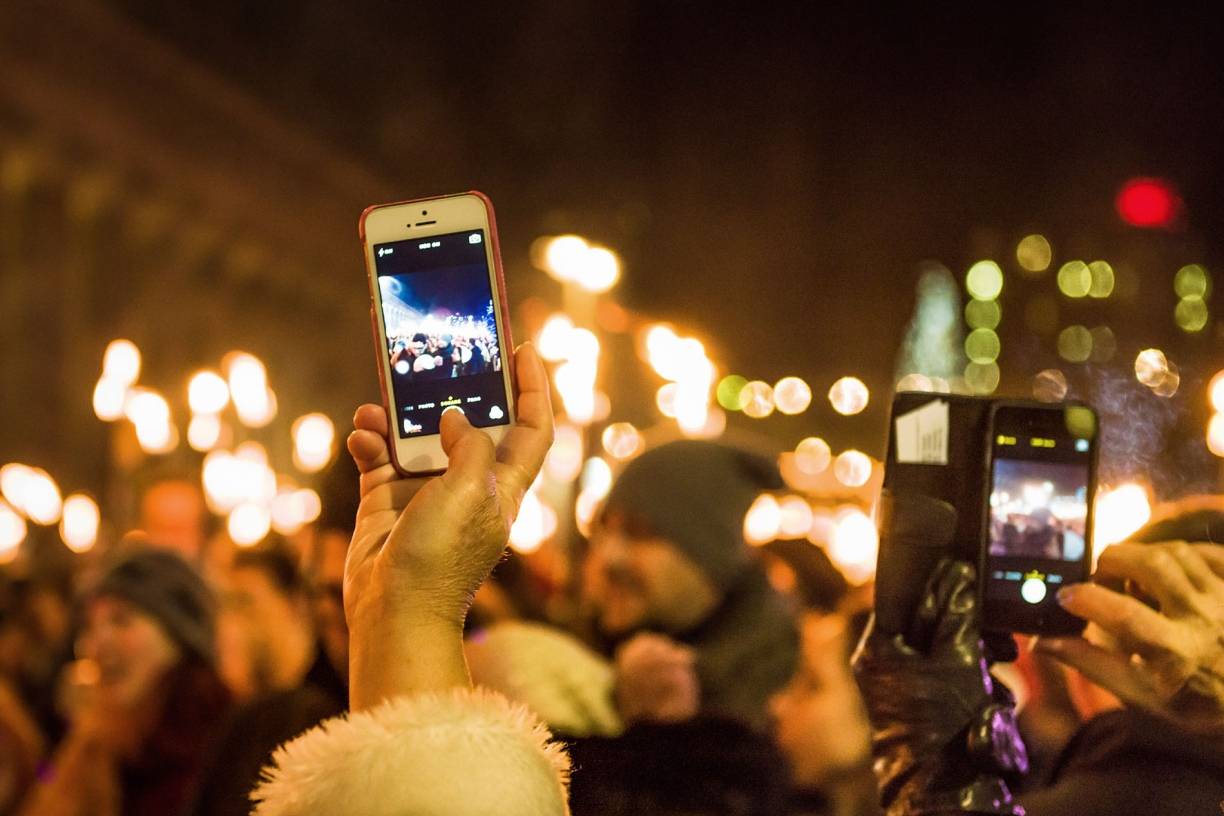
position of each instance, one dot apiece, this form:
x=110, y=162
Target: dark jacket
x=256, y=730
x=1125, y=762
x=703, y=767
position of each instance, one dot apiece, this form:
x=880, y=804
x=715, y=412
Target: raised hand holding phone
x=423, y=545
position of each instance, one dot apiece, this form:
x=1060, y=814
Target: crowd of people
x=375, y=667
x=441, y=351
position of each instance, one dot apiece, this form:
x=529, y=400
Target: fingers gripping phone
x=441, y=326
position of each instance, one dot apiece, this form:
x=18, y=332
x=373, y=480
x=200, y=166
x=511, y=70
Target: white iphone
x=442, y=331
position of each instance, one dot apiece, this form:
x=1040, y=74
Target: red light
x=1148, y=202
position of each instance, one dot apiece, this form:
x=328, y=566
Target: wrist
x=403, y=649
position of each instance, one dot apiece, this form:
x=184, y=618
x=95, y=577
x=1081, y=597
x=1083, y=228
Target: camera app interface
x=1039, y=510
x=1039, y=515
x=442, y=342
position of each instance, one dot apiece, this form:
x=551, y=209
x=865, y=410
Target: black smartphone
x=1037, y=529
x=957, y=485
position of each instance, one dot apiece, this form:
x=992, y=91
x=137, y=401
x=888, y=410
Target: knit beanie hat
x=169, y=590
x=695, y=494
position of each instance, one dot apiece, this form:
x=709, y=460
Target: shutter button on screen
x=1033, y=589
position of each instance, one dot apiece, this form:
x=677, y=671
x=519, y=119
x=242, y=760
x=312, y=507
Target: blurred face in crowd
x=820, y=722
x=634, y=579
x=131, y=649
x=272, y=620
x=172, y=515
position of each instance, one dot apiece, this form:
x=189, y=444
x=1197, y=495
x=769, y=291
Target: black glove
x=944, y=734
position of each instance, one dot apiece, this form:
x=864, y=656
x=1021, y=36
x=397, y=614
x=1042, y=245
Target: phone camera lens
x=424, y=212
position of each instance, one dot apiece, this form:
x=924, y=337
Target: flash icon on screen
x=474, y=238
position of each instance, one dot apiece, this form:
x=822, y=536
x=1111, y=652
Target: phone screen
x=440, y=324
x=1040, y=504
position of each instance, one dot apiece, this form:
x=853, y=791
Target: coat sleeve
x=470, y=751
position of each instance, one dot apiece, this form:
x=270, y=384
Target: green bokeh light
x=983, y=314
x=1074, y=279
x=1191, y=314
x=982, y=346
x=984, y=280
x=731, y=392
x=1075, y=344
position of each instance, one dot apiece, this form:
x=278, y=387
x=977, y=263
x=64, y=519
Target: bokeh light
x=665, y=399
x=1191, y=315
x=80, y=521
x=1033, y=253
x=758, y=399
x=982, y=346
x=1104, y=344
x=1148, y=202
x=254, y=401
x=562, y=255
x=1118, y=513
x=204, y=432
x=32, y=492
x=1215, y=391
x=813, y=455
x=600, y=270
x=1192, y=281
x=109, y=397
x=984, y=280
x=1074, y=279
x=983, y=314
x=792, y=395
x=1169, y=383
x=596, y=479
x=763, y=521
x=1075, y=344
x=795, y=517
x=852, y=468
x=1102, y=279
x=621, y=440
x=207, y=393
x=536, y=523
x=730, y=390
x=854, y=545
x=1050, y=385
x=553, y=339
x=314, y=439
x=249, y=523
x=12, y=533
x=1151, y=366
x=849, y=396
x=564, y=461
x=121, y=362
x=982, y=378
x=1215, y=434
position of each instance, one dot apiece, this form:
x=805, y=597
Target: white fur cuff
x=465, y=753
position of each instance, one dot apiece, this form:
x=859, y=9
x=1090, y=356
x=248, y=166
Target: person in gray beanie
x=148, y=703
x=668, y=557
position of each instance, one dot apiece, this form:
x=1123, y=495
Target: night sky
x=772, y=176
